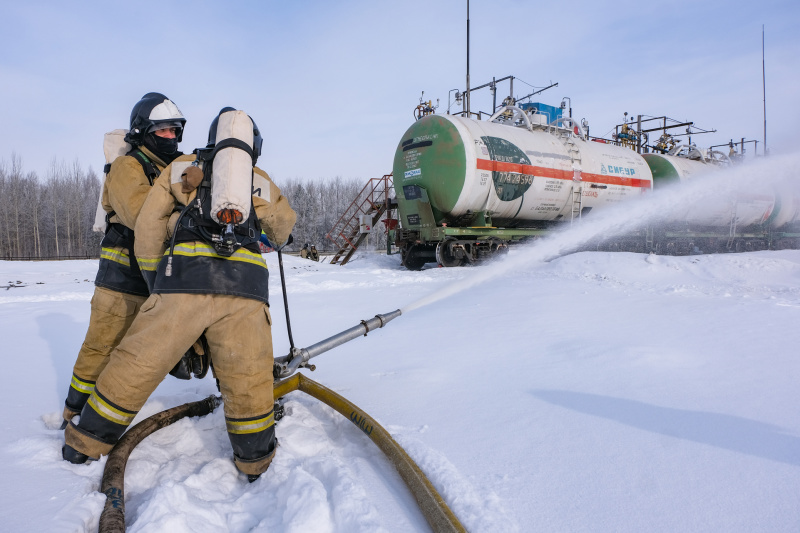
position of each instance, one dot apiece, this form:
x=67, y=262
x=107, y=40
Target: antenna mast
x=763, y=85
x=466, y=97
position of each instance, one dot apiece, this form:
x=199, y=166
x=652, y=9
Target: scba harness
x=119, y=269
x=228, y=232
x=214, y=247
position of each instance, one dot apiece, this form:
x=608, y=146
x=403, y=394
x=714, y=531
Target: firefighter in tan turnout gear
x=156, y=128
x=197, y=240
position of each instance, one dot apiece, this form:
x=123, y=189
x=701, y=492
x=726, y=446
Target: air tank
x=517, y=175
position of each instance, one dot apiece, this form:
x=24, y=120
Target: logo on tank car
x=412, y=173
x=619, y=171
x=508, y=184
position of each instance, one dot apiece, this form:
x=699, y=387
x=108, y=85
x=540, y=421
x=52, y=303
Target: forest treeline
x=51, y=217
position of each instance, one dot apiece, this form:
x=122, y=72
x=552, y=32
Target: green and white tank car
x=466, y=189
x=738, y=219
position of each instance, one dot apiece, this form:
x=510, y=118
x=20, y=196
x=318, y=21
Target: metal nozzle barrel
x=287, y=365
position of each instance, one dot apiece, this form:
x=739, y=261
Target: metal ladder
x=732, y=233
x=577, y=201
x=346, y=233
x=568, y=141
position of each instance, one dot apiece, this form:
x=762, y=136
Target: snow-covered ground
x=593, y=392
x=542, y=392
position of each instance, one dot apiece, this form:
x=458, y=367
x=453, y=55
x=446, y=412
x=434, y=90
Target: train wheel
x=499, y=248
x=412, y=259
x=447, y=256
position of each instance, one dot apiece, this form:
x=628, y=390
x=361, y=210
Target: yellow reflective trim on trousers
x=116, y=256
x=194, y=249
x=82, y=386
x=250, y=426
x=109, y=412
x=148, y=264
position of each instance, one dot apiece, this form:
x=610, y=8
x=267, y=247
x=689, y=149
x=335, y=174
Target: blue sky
x=332, y=85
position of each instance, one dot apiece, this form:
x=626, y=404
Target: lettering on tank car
x=412, y=192
x=592, y=194
x=411, y=158
x=547, y=207
x=617, y=170
x=422, y=138
x=412, y=164
x=412, y=173
x=513, y=178
x=553, y=186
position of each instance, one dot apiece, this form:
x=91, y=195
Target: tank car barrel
x=285, y=366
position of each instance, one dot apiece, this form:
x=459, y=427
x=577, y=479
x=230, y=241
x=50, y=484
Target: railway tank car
x=740, y=219
x=466, y=189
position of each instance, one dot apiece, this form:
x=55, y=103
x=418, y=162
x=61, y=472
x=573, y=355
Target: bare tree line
x=52, y=218
x=319, y=205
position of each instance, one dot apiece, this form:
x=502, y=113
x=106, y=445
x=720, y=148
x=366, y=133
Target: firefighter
x=304, y=252
x=210, y=279
x=313, y=254
x=156, y=128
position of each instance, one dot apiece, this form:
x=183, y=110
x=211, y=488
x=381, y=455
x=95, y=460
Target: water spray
x=714, y=188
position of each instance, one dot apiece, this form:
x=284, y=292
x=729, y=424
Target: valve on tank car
x=425, y=108
x=665, y=143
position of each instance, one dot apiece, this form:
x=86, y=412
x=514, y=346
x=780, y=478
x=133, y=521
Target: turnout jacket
x=124, y=192
x=196, y=266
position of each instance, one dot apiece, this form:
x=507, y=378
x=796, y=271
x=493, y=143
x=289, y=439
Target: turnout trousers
x=238, y=331
x=112, y=314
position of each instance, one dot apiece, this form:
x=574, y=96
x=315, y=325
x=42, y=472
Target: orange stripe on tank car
x=501, y=166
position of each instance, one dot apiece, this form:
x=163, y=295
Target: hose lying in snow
x=432, y=505
x=112, y=520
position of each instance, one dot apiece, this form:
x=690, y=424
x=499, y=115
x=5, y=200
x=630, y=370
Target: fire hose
x=432, y=505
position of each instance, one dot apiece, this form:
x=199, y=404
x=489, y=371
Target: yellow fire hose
x=432, y=505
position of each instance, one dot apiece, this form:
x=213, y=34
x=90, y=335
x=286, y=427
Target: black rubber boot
x=74, y=456
x=253, y=477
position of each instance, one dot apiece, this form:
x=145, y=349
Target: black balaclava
x=164, y=149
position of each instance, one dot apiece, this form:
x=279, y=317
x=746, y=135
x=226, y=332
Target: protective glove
x=191, y=179
x=194, y=361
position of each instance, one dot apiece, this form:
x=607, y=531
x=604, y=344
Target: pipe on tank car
x=513, y=108
x=572, y=122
